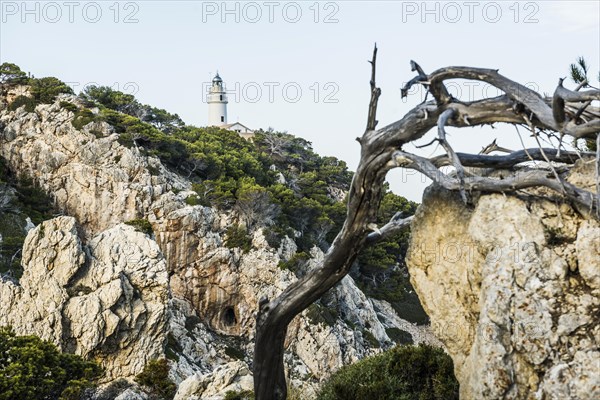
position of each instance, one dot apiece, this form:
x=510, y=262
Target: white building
x=217, y=110
x=243, y=130
x=217, y=103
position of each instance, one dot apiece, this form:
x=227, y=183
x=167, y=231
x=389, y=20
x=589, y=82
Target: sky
x=301, y=66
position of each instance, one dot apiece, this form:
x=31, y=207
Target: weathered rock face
x=95, y=180
x=512, y=289
x=126, y=297
x=106, y=299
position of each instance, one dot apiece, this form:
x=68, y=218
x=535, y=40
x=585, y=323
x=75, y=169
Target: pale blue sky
x=166, y=51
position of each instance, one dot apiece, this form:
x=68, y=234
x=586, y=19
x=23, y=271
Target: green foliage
x=399, y=336
x=110, y=98
x=45, y=90
x=579, y=71
x=155, y=380
x=320, y=314
x=84, y=117
x=371, y=339
x=579, y=74
x=113, y=390
x=10, y=255
x=274, y=235
x=126, y=103
x=382, y=273
x=12, y=74
x=237, y=236
x=192, y=200
x=234, y=353
x=20, y=198
x=402, y=373
x=173, y=348
x=141, y=225
x=241, y=395
x=296, y=262
x=191, y=322
x=229, y=172
x=67, y=105
x=34, y=369
x=19, y=101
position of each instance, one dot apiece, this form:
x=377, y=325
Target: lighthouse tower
x=217, y=103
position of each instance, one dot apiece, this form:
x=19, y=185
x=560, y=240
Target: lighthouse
x=217, y=103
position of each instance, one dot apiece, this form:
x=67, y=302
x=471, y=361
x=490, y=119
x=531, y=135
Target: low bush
x=141, y=225
x=402, y=373
x=241, y=395
x=31, y=368
x=237, y=236
x=155, y=380
x=20, y=101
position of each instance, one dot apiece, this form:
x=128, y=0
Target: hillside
x=140, y=237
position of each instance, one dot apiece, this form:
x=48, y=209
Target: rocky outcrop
x=234, y=376
x=99, y=288
x=512, y=289
x=105, y=300
x=90, y=175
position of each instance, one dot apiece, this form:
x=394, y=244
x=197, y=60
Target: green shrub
x=31, y=368
x=45, y=90
x=155, y=380
x=83, y=117
x=237, y=236
x=274, y=235
x=173, y=348
x=399, y=336
x=241, y=395
x=295, y=262
x=113, y=390
x=10, y=255
x=20, y=101
x=235, y=353
x=371, y=339
x=402, y=373
x=191, y=322
x=319, y=314
x=67, y=105
x=11, y=74
x=141, y=225
x=192, y=200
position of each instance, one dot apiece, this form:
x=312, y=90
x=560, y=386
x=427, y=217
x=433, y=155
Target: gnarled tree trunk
x=566, y=113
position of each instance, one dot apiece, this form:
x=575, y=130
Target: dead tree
x=566, y=113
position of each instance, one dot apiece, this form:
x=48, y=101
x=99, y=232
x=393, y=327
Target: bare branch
x=460, y=171
x=380, y=153
x=558, y=105
x=375, y=93
x=521, y=180
x=573, y=96
x=396, y=224
x=490, y=148
x=437, y=89
x=512, y=159
x=581, y=110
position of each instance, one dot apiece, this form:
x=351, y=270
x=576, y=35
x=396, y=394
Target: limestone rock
x=511, y=287
x=106, y=299
x=233, y=376
x=99, y=288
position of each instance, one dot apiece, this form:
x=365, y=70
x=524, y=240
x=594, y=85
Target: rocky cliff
x=512, y=286
x=101, y=288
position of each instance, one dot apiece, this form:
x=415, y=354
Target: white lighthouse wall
x=217, y=105
x=215, y=112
